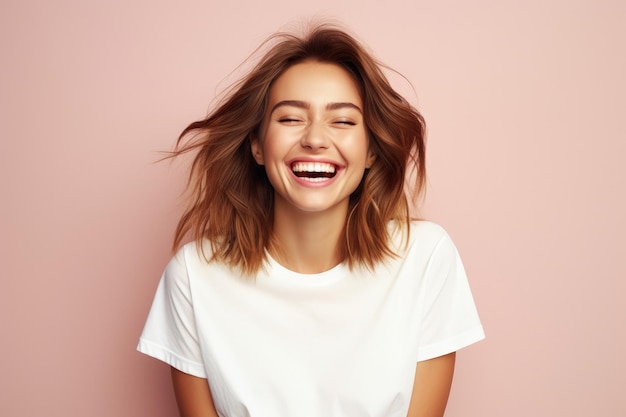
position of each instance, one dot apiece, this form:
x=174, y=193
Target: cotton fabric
x=340, y=343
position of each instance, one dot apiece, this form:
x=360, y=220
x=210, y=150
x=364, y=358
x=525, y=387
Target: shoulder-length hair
x=231, y=199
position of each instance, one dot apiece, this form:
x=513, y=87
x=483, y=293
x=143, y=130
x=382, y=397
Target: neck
x=308, y=243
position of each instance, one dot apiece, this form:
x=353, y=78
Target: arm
x=193, y=395
x=433, y=379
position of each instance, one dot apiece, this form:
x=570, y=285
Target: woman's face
x=313, y=141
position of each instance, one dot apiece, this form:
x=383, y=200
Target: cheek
x=275, y=146
x=271, y=150
x=273, y=156
x=362, y=150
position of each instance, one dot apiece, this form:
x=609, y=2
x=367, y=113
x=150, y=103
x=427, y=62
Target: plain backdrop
x=525, y=105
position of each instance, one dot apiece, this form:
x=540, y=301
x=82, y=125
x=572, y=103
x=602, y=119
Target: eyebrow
x=304, y=105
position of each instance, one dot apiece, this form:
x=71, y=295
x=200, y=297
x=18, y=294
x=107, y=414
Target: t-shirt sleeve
x=170, y=333
x=449, y=320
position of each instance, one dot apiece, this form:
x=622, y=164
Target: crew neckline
x=276, y=271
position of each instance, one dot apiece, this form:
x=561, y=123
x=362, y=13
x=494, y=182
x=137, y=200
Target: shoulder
x=193, y=252
x=193, y=265
x=421, y=233
x=426, y=243
x=188, y=257
x=427, y=230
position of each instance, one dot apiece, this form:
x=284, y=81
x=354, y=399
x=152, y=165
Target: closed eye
x=289, y=120
x=345, y=123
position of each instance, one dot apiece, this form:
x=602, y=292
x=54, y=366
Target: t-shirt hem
x=165, y=355
x=453, y=344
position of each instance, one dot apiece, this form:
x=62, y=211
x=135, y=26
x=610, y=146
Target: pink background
x=525, y=103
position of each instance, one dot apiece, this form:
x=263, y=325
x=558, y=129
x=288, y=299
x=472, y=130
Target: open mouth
x=314, y=171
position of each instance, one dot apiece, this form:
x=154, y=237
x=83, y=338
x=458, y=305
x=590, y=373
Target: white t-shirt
x=339, y=343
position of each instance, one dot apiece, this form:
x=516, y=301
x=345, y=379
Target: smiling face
x=313, y=141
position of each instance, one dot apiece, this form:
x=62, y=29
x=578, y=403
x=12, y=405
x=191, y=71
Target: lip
x=338, y=169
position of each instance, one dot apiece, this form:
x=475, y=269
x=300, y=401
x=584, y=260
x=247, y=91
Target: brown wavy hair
x=231, y=198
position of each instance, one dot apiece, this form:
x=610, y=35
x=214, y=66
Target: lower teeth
x=315, y=179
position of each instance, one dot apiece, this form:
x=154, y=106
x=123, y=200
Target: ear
x=257, y=149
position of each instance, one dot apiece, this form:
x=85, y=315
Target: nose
x=315, y=137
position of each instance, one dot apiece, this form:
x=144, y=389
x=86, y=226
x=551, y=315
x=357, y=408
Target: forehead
x=316, y=82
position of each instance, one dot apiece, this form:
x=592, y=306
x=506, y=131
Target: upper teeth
x=313, y=167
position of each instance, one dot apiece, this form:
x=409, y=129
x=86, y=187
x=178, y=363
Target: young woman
x=308, y=289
